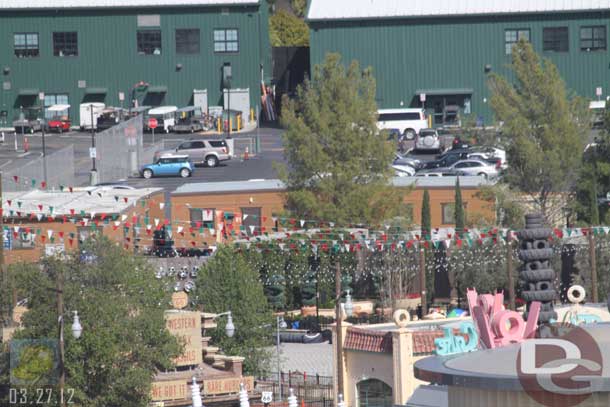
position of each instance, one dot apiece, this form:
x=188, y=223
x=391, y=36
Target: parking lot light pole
x=44, y=150
x=93, y=153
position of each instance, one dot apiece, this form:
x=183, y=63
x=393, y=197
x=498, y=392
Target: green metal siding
x=411, y=54
x=108, y=55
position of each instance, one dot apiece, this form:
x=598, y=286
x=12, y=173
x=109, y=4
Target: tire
x=192, y=130
x=31, y=130
x=541, y=233
x=535, y=254
x=211, y=161
x=148, y=174
x=535, y=217
x=537, y=244
x=410, y=134
x=535, y=226
x=185, y=173
x=60, y=130
x=538, y=275
x=482, y=174
x=542, y=296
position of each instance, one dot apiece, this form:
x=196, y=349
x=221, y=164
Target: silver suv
x=208, y=152
x=428, y=139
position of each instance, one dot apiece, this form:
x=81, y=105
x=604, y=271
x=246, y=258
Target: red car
x=59, y=124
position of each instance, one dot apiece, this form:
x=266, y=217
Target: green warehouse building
x=437, y=53
x=158, y=52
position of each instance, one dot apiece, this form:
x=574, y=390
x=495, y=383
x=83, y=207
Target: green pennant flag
x=19, y=203
x=33, y=183
x=71, y=235
x=469, y=241
x=436, y=244
x=143, y=204
x=106, y=221
x=38, y=231
x=51, y=209
x=115, y=216
x=82, y=213
x=52, y=239
x=61, y=188
x=147, y=220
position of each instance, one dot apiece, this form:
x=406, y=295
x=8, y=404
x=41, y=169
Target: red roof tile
x=368, y=341
x=423, y=342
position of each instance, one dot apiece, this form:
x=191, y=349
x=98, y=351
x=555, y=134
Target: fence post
x=593, y=264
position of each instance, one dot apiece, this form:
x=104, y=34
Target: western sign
x=186, y=326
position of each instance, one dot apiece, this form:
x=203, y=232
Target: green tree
x=593, y=205
x=459, y=209
x=299, y=7
x=228, y=282
x=426, y=219
x=287, y=30
x=542, y=124
x=121, y=307
x=339, y=161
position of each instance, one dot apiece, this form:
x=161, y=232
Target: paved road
x=312, y=358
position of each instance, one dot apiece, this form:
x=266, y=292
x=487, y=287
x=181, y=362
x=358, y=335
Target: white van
x=408, y=121
x=165, y=118
x=85, y=114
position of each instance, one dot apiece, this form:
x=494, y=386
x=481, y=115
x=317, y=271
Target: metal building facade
x=449, y=58
x=108, y=61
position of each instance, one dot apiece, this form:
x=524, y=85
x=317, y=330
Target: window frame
x=593, y=39
x=26, y=45
x=452, y=205
x=518, y=32
x=187, y=44
x=63, y=35
x=554, y=40
x=140, y=47
x=48, y=97
x=225, y=41
x=206, y=224
x=24, y=241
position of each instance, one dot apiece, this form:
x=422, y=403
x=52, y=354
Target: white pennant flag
x=169, y=233
x=332, y=224
x=161, y=205
x=92, y=215
x=281, y=245
x=116, y=223
x=123, y=217
x=212, y=231
x=252, y=228
x=16, y=229
x=148, y=227
x=49, y=233
x=341, y=236
x=302, y=222
x=180, y=229
x=448, y=243
x=245, y=216
x=347, y=247
x=156, y=222
x=39, y=216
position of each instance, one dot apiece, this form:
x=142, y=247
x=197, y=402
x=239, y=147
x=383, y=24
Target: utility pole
x=509, y=271
x=593, y=261
x=422, y=281
x=338, y=317
x=60, y=319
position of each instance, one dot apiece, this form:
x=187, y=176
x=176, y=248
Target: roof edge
x=128, y=6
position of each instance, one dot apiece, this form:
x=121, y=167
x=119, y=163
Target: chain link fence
x=56, y=168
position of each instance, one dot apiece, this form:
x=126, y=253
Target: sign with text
x=186, y=326
x=180, y=300
x=170, y=390
x=226, y=386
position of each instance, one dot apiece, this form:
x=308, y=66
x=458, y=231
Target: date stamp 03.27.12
x=34, y=373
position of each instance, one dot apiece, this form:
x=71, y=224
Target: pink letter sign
x=497, y=326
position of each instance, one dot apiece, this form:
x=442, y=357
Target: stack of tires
x=537, y=277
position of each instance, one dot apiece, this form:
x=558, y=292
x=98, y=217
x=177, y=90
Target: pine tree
x=459, y=210
x=426, y=221
x=593, y=206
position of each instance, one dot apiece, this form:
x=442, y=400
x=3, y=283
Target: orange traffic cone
x=247, y=154
x=26, y=144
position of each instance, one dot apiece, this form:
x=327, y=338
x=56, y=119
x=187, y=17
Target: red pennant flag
x=16, y=178
x=71, y=189
x=32, y=216
x=28, y=230
x=40, y=207
x=127, y=224
x=70, y=241
x=15, y=234
x=128, y=239
x=50, y=218
x=458, y=243
x=193, y=243
x=148, y=232
x=61, y=234
x=72, y=212
x=166, y=222
x=9, y=202
x=126, y=246
x=114, y=227
x=264, y=219
x=65, y=219
x=43, y=237
x=125, y=199
x=134, y=219
x=103, y=216
x=43, y=184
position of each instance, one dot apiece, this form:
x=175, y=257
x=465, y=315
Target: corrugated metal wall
x=108, y=56
x=408, y=55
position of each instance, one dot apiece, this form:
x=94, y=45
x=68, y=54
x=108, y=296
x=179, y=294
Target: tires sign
x=152, y=123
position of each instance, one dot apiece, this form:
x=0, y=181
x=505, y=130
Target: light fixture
x=178, y=67
x=77, y=329
x=349, y=305
x=283, y=324
x=230, y=328
x=189, y=286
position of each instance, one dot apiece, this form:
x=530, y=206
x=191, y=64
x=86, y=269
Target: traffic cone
x=247, y=154
x=26, y=144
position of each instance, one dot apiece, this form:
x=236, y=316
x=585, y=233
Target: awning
x=28, y=92
x=444, y=92
x=157, y=89
x=96, y=91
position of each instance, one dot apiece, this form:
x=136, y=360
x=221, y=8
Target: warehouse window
x=226, y=40
x=26, y=45
x=65, y=44
x=512, y=36
x=187, y=41
x=555, y=39
x=593, y=38
x=149, y=42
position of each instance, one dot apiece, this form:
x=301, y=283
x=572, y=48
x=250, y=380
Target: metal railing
x=313, y=389
x=120, y=150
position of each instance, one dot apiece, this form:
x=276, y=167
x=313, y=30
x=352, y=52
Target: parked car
x=208, y=152
x=490, y=154
x=428, y=140
x=28, y=120
x=405, y=160
x=403, y=170
x=60, y=121
x=408, y=121
x=188, y=120
x=471, y=166
x=167, y=166
x=437, y=173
